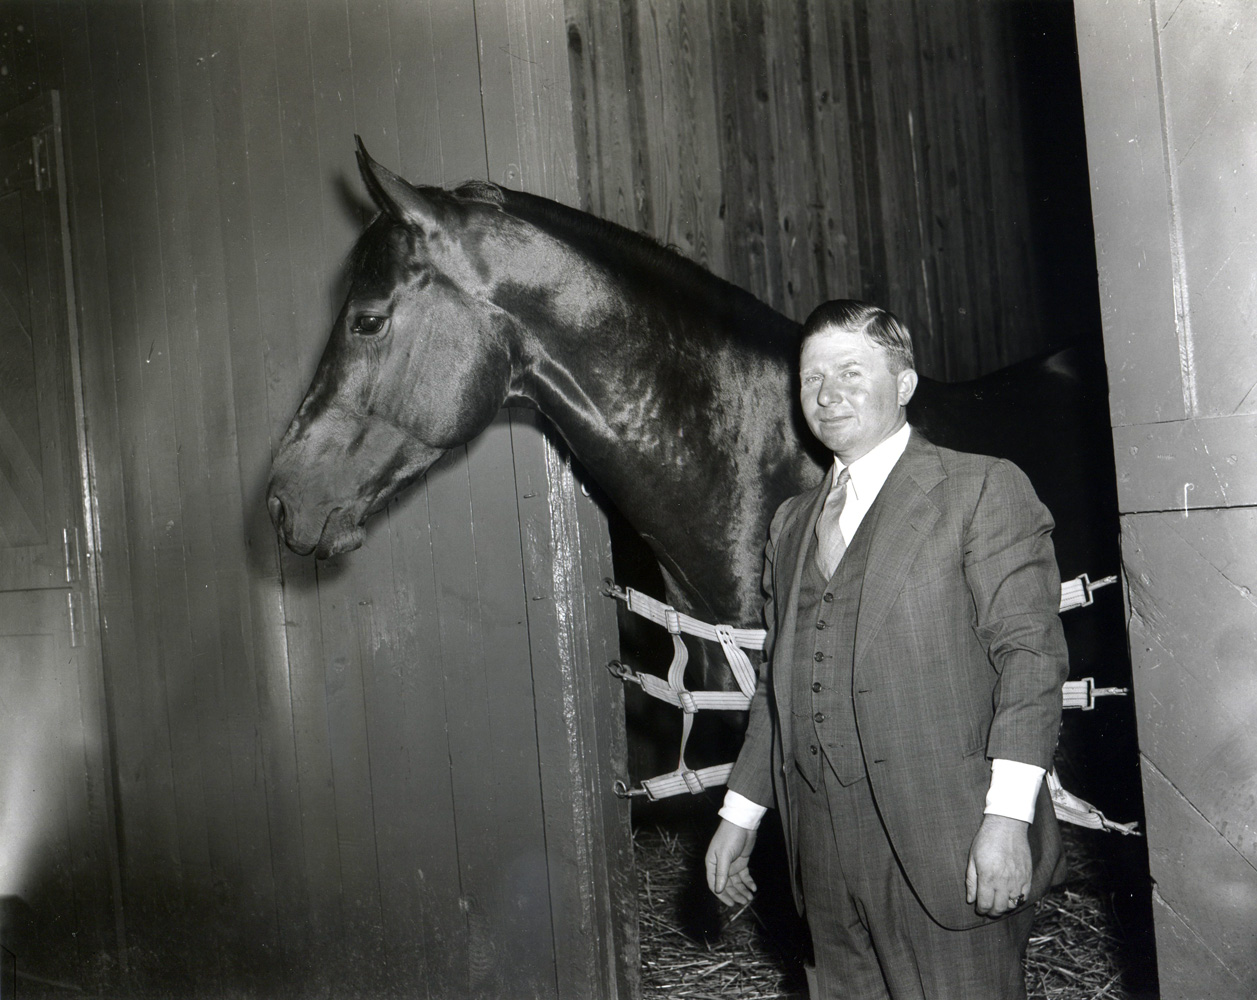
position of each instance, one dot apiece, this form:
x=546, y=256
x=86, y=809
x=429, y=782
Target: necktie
x=829, y=541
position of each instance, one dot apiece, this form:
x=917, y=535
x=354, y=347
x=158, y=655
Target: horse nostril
x=276, y=507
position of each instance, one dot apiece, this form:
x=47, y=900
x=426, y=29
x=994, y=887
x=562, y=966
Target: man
x=911, y=696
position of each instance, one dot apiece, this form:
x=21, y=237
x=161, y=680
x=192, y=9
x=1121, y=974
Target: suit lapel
x=905, y=515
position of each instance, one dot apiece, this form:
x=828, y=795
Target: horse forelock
x=385, y=252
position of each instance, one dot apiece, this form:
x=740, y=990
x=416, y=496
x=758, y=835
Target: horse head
x=418, y=361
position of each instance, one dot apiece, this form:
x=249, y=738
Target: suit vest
x=822, y=699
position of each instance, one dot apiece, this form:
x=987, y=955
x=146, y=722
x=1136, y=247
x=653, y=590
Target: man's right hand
x=727, y=857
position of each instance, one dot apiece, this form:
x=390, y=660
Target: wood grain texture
x=1170, y=197
x=565, y=555
x=1193, y=622
x=1203, y=880
x=809, y=150
x=1188, y=966
x=362, y=772
x=58, y=863
x=1209, y=94
x=1187, y=464
x=1137, y=291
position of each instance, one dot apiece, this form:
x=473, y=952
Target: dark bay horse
x=675, y=390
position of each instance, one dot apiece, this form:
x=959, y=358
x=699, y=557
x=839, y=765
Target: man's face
x=851, y=400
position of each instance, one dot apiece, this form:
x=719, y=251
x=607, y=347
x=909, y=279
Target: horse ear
x=392, y=195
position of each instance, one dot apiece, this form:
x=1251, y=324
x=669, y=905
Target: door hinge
x=39, y=159
x=70, y=543
x=74, y=604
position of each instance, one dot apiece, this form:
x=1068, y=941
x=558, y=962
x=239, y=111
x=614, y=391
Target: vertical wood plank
x=1136, y=294
x=528, y=127
x=93, y=837
x=414, y=68
x=789, y=57
x=701, y=139
x=153, y=886
x=658, y=49
x=281, y=137
x=263, y=320
x=450, y=499
x=609, y=162
x=425, y=923
x=305, y=848
x=828, y=125
x=193, y=638
x=374, y=103
x=1209, y=96
x=111, y=557
x=345, y=599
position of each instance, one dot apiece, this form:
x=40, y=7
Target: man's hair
x=881, y=326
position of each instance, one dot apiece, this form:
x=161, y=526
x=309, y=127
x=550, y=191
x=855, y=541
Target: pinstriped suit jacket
x=959, y=658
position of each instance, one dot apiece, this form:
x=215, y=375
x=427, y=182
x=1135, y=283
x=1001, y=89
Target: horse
x=675, y=390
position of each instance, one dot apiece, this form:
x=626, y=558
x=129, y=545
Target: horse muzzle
x=341, y=531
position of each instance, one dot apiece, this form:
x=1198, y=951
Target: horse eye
x=368, y=324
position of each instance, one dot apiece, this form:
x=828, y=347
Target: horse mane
x=635, y=255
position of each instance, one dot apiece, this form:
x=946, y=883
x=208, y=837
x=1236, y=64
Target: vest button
x=820, y=625
x=819, y=656
x=812, y=750
x=816, y=686
x=828, y=598
x=818, y=717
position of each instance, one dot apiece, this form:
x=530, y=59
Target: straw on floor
x=694, y=949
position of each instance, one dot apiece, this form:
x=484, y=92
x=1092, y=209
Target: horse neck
x=681, y=414
x=622, y=376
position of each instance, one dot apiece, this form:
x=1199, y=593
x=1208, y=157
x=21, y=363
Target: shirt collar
x=869, y=471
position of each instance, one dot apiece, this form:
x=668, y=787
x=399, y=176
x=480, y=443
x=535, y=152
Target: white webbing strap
x=739, y=662
x=675, y=621
x=689, y=701
x=1076, y=593
x=733, y=642
x=681, y=780
x=1069, y=808
x=1083, y=693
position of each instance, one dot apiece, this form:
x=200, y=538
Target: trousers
x=871, y=938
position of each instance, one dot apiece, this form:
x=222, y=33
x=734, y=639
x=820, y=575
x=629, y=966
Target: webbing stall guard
x=734, y=642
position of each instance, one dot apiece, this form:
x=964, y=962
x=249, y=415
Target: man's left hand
x=998, y=876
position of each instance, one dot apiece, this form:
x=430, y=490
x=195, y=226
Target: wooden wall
x=1170, y=97
x=280, y=828
x=388, y=774
x=919, y=154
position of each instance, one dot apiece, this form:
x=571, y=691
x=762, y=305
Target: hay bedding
x=694, y=948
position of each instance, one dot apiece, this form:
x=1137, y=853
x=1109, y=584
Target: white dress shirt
x=1014, y=785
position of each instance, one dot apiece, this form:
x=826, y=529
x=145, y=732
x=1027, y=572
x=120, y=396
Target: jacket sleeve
x=752, y=774
x=1010, y=567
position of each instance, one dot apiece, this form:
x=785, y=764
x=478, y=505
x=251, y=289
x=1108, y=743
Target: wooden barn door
x=56, y=859
x=464, y=736
x=1170, y=94
x=388, y=774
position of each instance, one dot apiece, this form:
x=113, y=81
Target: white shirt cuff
x=1014, y=788
x=741, y=811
